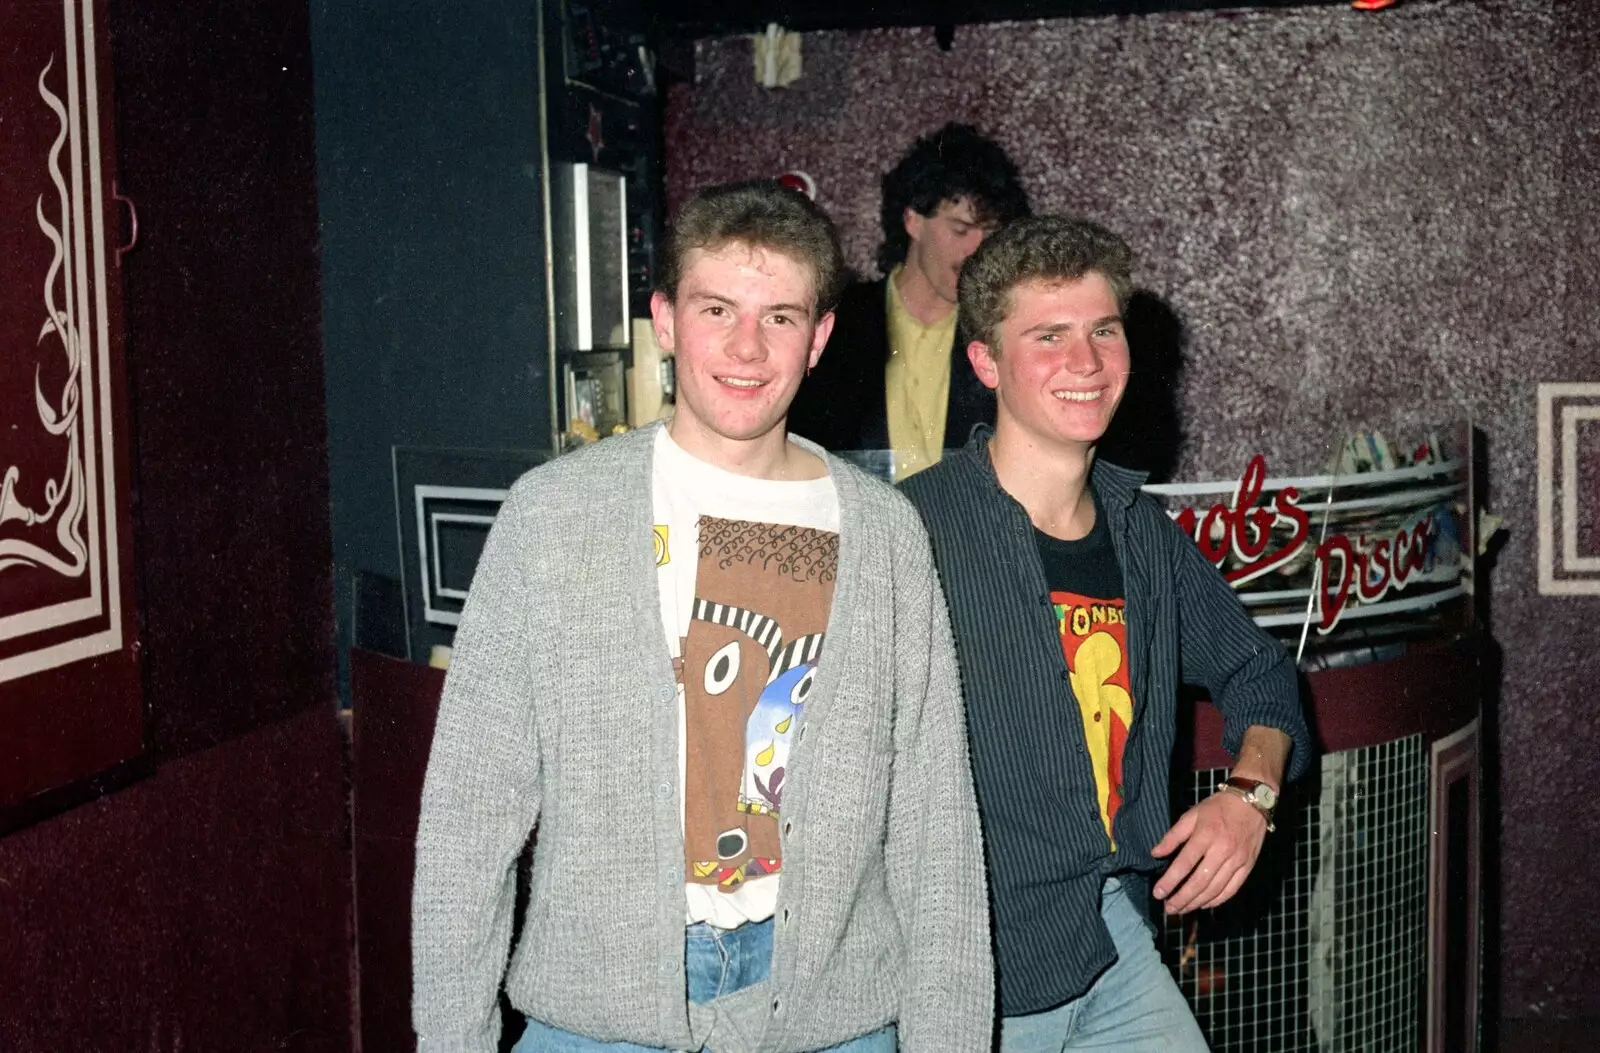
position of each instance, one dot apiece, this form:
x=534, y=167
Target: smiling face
x=941, y=243
x=1062, y=363
x=744, y=331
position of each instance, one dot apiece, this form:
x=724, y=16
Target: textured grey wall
x=1362, y=220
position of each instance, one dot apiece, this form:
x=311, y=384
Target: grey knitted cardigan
x=560, y=708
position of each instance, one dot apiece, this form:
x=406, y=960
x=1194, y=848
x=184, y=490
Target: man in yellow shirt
x=895, y=374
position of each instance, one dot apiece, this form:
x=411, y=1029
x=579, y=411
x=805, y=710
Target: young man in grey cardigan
x=713, y=665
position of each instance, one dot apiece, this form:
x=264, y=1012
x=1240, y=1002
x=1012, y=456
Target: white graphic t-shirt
x=746, y=570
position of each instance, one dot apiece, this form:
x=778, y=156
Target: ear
x=819, y=339
x=661, y=320
x=983, y=364
x=915, y=222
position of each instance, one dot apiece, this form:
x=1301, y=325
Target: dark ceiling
x=698, y=18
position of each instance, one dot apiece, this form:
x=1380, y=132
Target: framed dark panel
x=445, y=502
x=71, y=712
x=1455, y=868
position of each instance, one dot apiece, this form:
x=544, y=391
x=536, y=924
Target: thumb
x=1180, y=832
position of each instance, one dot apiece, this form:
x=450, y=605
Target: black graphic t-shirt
x=1087, y=595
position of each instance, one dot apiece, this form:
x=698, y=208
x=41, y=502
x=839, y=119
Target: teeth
x=1078, y=396
x=741, y=382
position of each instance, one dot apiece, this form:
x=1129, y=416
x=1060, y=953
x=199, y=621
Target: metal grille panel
x=1323, y=951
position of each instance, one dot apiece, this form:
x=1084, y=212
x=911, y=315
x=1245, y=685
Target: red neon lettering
x=1402, y=558
x=1187, y=521
x=1368, y=567
x=1284, y=507
x=1246, y=515
x=1214, y=549
x=1368, y=587
x=1331, y=598
x=1287, y=503
x=1245, y=529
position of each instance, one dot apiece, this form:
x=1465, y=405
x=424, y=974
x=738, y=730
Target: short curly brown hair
x=760, y=213
x=1040, y=248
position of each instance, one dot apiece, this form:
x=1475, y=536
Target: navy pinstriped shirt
x=1045, y=841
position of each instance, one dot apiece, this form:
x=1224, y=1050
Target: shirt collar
x=900, y=314
x=1116, y=486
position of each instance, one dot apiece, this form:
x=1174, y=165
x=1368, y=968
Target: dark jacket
x=1046, y=845
x=842, y=405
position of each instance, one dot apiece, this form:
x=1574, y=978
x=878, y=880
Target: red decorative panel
x=1455, y=869
x=395, y=705
x=69, y=678
x=1432, y=690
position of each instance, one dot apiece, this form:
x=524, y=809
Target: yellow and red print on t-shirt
x=1094, y=638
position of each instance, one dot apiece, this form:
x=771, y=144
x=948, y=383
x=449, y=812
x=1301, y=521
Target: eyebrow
x=712, y=297
x=972, y=216
x=1056, y=327
x=719, y=298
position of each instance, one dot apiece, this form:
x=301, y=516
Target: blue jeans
x=1133, y=1007
x=717, y=962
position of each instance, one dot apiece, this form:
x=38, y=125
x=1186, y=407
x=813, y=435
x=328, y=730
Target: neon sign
x=1247, y=530
x=1257, y=533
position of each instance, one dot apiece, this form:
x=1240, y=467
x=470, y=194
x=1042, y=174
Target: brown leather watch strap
x=1245, y=789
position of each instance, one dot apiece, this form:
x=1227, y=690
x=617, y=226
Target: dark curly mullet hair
x=955, y=161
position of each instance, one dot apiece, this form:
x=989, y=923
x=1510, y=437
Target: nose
x=748, y=343
x=1082, y=359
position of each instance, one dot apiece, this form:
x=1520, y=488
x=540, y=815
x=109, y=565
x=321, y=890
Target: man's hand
x=1221, y=838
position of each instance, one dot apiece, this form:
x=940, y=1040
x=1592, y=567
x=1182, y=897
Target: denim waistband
x=704, y=930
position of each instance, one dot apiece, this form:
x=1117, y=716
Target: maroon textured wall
x=216, y=141
x=208, y=907
x=201, y=909
x=1380, y=220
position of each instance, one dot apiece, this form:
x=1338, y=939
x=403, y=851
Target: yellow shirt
x=917, y=382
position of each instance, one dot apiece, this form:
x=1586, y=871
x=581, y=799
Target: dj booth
x=1359, y=929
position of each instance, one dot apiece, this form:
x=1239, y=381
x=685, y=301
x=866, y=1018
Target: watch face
x=1259, y=793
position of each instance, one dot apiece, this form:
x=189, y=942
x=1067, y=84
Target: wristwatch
x=1255, y=793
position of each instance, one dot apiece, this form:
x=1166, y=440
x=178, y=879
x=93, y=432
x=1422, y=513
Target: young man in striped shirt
x=1077, y=607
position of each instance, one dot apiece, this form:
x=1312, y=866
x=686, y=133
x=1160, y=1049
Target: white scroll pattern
x=58, y=413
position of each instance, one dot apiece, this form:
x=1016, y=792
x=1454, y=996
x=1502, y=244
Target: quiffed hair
x=1040, y=248
x=760, y=213
x=954, y=162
